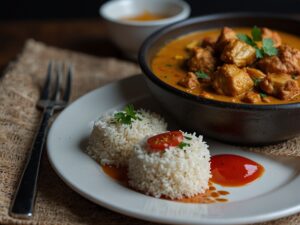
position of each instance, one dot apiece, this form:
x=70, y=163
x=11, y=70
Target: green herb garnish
x=183, y=144
x=256, y=34
x=169, y=65
x=263, y=95
x=268, y=47
x=259, y=53
x=188, y=138
x=256, y=81
x=294, y=77
x=202, y=75
x=245, y=38
x=127, y=116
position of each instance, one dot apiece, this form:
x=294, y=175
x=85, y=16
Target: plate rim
x=132, y=213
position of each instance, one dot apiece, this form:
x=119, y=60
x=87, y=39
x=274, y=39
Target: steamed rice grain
x=174, y=173
x=111, y=143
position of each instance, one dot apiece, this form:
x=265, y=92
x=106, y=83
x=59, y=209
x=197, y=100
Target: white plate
x=274, y=195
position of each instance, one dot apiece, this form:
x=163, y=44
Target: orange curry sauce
x=168, y=64
x=227, y=170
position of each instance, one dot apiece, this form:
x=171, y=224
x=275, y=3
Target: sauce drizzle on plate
x=227, y=170
x=233, y=170
x=212, y=195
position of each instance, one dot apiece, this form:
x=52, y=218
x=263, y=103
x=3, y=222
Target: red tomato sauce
x=233, y=170
x=227, y=170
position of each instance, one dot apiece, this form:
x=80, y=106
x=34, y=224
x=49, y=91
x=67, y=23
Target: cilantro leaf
x=188, y=138
x=268, y=47
x=256, y=34
x=202, y=75
x=183, y=144
x=127, y=116
x=259, y=53
x=245, y=38
x=256, y=81
x=263, y=95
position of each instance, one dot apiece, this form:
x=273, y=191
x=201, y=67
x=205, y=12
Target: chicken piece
x=226, y=35
x=267, y=33
x=189, y=81
x=255, y=74
x=208, y=42
x=287, y=61
x=239, y=53
x=202, y=60
x=281, y=86
x=251, y=97
x=231, y=80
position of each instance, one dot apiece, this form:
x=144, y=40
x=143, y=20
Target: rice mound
x=174, y=173
x=112, y=143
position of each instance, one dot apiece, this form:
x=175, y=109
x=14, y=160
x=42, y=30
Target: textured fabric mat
x=19, y=92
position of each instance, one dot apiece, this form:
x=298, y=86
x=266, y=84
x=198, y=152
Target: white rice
x=112, y=143
x=174, y=173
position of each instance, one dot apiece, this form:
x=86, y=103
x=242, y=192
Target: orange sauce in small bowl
x=146, y=16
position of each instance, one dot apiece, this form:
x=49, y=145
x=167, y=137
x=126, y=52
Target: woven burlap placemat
x=19, y=118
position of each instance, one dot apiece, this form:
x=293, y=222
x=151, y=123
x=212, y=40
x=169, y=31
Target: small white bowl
x=129, y=35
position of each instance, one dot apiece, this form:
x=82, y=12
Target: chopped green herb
x=202, y=75
x=259, y=53
x=268, y=47
x=183, y=144
x=256, y=81
x=256, y=34
x=127, y=116
x=169, y=65
x=263, y=95
x=294, y=77
x=245, y=38
x=188, y=138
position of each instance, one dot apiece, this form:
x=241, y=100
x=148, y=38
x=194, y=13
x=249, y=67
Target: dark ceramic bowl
x=244, y=124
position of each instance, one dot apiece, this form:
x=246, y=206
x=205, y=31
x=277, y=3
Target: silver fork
x=23, y=203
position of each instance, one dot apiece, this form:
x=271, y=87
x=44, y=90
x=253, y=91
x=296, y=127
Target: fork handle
x=23, y=203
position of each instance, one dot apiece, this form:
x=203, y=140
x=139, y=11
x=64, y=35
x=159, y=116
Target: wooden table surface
x=84, y=35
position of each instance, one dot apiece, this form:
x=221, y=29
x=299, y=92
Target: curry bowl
x=236, y=123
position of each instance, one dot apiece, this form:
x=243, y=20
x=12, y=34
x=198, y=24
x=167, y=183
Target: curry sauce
x=146, y=16
x=169, y=65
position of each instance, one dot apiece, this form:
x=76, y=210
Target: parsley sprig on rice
x=111, y=142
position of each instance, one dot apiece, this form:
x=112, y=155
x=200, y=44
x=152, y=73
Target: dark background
x=49, y=9
x=76, y=25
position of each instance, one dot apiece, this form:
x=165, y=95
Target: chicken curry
x=244, y=65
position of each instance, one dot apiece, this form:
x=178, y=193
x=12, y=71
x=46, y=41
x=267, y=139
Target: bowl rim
x=183, y=14
x=197, y=99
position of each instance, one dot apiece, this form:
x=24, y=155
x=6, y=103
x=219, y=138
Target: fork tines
x=56, y=99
